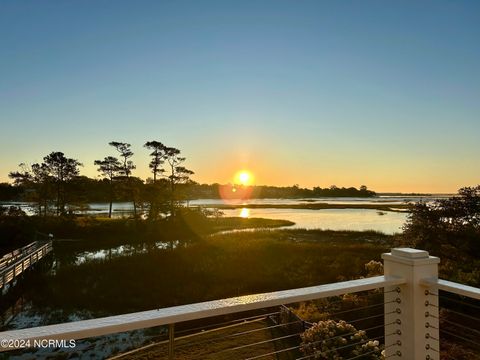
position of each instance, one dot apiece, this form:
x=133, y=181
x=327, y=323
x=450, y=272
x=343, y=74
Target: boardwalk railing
x=16, y=262
x=11, y=257
x=410, y=310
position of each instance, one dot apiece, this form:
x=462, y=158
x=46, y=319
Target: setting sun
x=244, y=178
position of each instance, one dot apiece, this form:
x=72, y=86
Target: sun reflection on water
x=245, y=213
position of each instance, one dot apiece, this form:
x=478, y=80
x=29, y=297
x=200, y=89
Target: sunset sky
x=381, y=93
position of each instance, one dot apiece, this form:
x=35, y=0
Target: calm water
x=384, y=200
x=122, y=250
x=125, y=208
x=387, y=222
x=330, y=219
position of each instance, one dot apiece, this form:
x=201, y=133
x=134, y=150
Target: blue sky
x=380, y=93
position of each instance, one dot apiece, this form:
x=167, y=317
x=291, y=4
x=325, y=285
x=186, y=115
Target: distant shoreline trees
x=125, y=170
x=49, y=180
x=110, y=169
x=56, y=183
x=98, y=191
x=154, y=189
x=177, y=175
x=232, y=191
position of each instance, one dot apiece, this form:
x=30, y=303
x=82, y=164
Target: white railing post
x=411, y=313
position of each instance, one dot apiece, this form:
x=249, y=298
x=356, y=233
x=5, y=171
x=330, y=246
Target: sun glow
x=244, y=177
x=245, y=213
x=239, y=187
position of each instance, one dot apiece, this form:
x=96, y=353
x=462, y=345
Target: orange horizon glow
x=269, y=171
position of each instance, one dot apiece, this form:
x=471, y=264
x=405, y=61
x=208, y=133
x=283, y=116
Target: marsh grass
x=215, y=267
x=95, y=233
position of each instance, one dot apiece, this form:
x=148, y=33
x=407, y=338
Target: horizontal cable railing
x=278, y=334
x=452, y=287
x=177, y=314
x=459, y=319
x=407, y=313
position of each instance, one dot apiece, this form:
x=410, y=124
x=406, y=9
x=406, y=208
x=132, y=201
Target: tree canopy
x=448, y=223
x=49, y=177
x=449, y=228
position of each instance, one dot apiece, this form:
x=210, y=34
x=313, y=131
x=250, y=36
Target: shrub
x=334, y=340
x=374, y=268
x=446, y=226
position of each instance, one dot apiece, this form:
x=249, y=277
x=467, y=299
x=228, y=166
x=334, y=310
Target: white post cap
x=410, y=256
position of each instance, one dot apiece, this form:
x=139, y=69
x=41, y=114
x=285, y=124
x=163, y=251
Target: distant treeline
x=83, y=189
x=229, y=191
x=55, y=184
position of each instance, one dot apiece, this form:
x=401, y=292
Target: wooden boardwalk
x=17, y=261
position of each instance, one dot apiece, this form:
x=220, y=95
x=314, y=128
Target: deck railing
x=409, y=313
